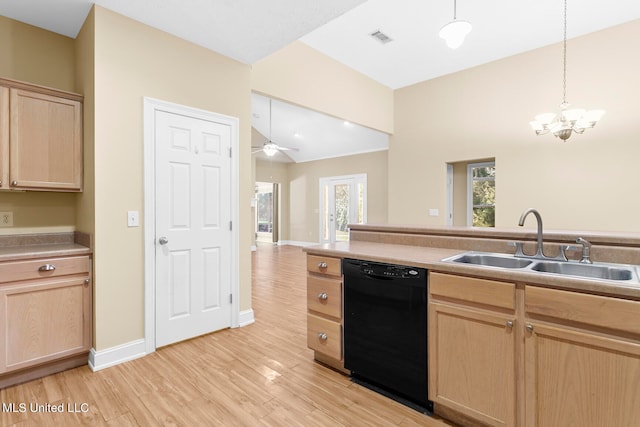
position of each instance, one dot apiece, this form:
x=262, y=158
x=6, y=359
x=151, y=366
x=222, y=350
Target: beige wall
x=37, y=56
x=304, y=191
x=589, y=183
x=301, y=75
x=34, y=55
x=133, y=61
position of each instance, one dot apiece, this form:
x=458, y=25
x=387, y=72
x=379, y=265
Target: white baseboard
x=135, y=349
x=295, y=243
x=115, y=355
x=246, y=318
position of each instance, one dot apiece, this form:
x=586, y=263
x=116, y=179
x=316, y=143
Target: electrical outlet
x=6, y=219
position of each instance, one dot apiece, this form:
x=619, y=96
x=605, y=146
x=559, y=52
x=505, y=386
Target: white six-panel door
x=192, y=224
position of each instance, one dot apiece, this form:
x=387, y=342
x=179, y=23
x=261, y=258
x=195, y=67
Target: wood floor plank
x=261, y=374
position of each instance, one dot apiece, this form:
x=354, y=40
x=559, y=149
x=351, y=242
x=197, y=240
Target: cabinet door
x=580, y=379
x=45, y=142
x=43, y=321
x=472, y=363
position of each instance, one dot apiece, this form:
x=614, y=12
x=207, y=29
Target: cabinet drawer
x=606, y=312
x=324, y=336
x=324, y=265
x=324, y=296
x=43, y=268
x=481, y=291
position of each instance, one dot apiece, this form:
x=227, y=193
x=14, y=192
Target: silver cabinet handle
x=47, y=267
x=322, y=296
x=322, y=264
x=529, y=328
x=14, y=182
x=86, y=282
x=163, y=240
x=509, y=324
x=322, y=336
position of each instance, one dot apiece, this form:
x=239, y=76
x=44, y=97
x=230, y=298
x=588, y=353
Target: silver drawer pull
x=322, y=264
x=322, y=296
x=322, y=336
x=529, y=328
x=47, y=267
x=509, y=324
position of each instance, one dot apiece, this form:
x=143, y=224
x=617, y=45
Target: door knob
x=163, y=240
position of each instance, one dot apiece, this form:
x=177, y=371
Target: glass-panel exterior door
x=264, y=212
x=343, y=202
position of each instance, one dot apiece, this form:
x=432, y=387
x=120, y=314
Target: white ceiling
x=501, y=28
x=249, y=30
x=245, y=30
x=314, y=135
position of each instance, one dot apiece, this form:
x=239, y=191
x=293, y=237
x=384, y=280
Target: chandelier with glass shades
x=569, y=120
x=455, y=31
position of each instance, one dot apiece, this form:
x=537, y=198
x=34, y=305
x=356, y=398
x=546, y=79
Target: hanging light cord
x=564, y=57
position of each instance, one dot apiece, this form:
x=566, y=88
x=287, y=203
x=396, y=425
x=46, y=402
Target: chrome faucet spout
x=539, y=253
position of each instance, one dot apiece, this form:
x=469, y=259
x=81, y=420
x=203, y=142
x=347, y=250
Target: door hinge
x=230, y=152
x=230, y=225
x=230, y=298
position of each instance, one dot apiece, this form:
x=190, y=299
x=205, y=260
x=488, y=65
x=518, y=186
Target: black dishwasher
x=385, y=328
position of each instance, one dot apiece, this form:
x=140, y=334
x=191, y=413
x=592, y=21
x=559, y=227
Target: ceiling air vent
x=381, y=37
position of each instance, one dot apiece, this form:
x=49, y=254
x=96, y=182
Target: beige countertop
x=44, y=245
x=431, y=259
x=17, y=253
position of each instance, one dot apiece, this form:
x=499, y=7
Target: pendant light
x=455, y=31
x=568, y=120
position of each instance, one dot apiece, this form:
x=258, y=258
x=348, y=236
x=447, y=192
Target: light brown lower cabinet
x=324, y=310
x=582, y=355
x=46, y=317
x=472, y=348
x=504, y=354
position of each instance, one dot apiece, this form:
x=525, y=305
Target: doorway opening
x=267, y=213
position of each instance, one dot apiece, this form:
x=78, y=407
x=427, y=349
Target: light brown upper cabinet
x=40, y=138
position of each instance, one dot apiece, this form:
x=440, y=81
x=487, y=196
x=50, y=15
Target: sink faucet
x=539, y=253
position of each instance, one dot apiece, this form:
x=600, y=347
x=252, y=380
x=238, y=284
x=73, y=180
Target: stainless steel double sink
x=605, y=271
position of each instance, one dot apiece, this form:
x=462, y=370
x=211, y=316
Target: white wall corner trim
x=116, y=355
x=246, y=318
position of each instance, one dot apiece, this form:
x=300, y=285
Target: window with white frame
x=481, y=194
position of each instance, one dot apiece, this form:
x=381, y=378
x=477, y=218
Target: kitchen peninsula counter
x=426, y=247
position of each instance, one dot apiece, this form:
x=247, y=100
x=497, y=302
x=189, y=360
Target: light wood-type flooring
x=261, y=374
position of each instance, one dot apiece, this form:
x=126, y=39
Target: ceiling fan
x=270, y=148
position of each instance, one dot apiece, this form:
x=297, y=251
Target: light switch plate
x=434, y=212
x=6, y=219
x=133, y=219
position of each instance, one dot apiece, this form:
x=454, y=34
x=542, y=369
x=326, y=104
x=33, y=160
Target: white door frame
x=150, y=106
